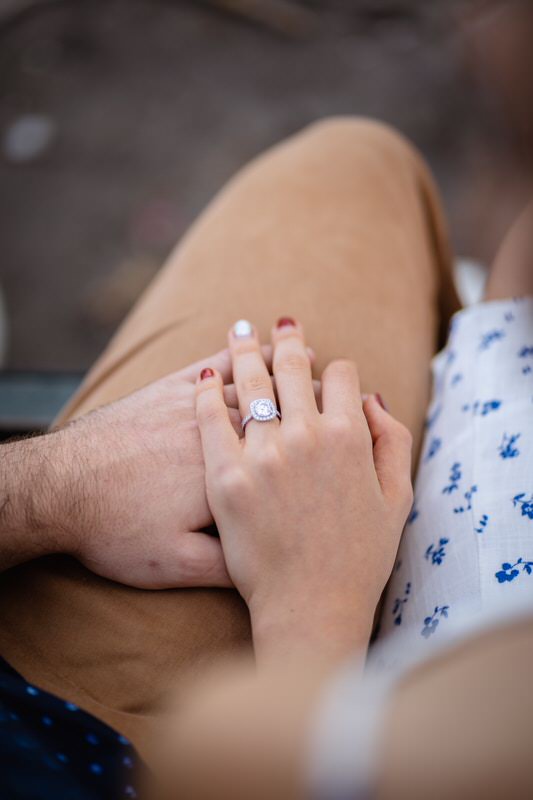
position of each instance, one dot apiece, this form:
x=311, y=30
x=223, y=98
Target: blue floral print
x=483, y=408
x=482, y=524
x=526, y=505
x=455, y=477
x=468, y=497
x=433, y=417
x=526, y=352
x=433, y=449
x=468, y=544
x=509, y=572
x=457, y=378
x=451, y=356
x=397, y=607
x=507, y=448
x=489, y=338
x=412, y=515
x=431, y=623
x=436, y=552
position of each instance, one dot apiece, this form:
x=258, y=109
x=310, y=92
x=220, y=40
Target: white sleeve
x=345, y=742
x=344, y=746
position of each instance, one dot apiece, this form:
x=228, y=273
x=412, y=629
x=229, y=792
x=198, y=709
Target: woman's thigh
x=339, y=227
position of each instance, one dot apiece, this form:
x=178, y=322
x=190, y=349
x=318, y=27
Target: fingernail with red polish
x=207, y=372
x=381, y=401
x=285, y=322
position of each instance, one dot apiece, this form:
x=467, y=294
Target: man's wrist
x=35, y=474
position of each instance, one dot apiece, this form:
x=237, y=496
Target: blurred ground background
x=120, y=119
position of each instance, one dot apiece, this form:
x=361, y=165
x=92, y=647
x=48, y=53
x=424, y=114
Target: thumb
x=392, y=444
x=183, y=560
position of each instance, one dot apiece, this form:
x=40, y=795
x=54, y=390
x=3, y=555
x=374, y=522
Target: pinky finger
x=392, y=444
x=219, y=440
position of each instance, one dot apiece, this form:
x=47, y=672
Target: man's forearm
x=32, y=499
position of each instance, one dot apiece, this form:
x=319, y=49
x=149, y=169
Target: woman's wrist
x=291, y=627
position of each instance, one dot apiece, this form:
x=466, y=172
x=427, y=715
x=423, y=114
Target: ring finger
x=251, y=377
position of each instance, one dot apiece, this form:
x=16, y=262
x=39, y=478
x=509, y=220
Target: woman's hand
x=309, y=509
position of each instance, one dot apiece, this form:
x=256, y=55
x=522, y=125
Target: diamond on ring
x=262, y=410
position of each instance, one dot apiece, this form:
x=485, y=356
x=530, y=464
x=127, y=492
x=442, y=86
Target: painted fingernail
x=285, y=322
x=381, y=401
x=207, y=372
x=242, y=328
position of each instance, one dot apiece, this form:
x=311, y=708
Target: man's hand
x=121, y=489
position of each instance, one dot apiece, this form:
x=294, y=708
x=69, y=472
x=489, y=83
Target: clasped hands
x=309, y=509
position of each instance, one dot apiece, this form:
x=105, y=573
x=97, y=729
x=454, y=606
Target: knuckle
x=342, y=426
x=300, y=435
x=210, y=413
x=256, y=383
x=406, y=496
x=403, y=494
x=267, y=458
x=404, y=436
x=343, y=367
x=245, y=346
x=293, y=362
x=232, y=481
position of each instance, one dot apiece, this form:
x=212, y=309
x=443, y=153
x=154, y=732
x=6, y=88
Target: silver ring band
x=262, y=410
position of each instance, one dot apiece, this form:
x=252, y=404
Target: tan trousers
x=339, y=227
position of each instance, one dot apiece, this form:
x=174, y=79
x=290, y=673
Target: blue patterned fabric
x=465, y=562
x=52, y=750
x=468, y=543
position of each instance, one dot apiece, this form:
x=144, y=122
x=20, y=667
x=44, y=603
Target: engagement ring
x=262, y=410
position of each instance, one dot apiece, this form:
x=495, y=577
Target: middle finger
x=292, y=369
